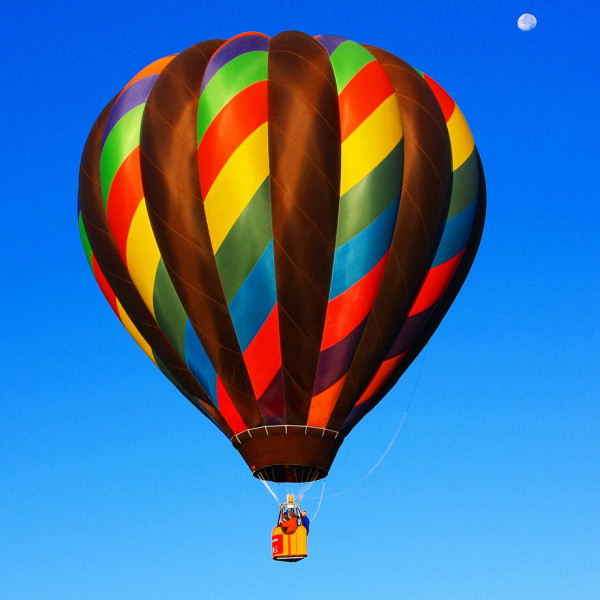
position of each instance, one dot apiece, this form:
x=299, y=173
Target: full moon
x=526, y=22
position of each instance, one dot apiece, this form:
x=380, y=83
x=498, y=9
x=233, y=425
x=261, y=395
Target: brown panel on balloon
x=109, y=260
x=421, y=217
x=168, y=152
x=304, y=156
x=449, y=295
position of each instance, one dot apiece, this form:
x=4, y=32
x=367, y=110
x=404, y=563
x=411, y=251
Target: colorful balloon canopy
x=281, y=224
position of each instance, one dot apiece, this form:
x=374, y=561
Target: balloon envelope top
x=281, y=224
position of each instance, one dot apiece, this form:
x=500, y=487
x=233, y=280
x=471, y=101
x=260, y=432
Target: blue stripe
x=199, y=363
x=456, y=234
x=354, y=259
x=255, y=299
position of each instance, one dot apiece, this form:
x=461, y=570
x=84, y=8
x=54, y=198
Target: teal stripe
x=121, y=141
x=456, y=235
x=170, y=315
x=245, y=242
x=357, y=257
x=366, y=200
x=199, y=363
x=231, y=79
x=188, y=395
x=255, y=299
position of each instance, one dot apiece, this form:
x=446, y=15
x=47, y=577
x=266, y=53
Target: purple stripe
x=271, y=402
x=137, y=93
x=232, y=49
x=409, y=332
x=331, y=42
x=335, y=361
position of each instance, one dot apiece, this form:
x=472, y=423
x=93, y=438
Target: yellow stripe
x=142, y=255
x=370, y=143
x=134, y=333
x=461, y=139
x=236, y=183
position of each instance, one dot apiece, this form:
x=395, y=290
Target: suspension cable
x=393, y=439
x=265, y=483
x=320, y=500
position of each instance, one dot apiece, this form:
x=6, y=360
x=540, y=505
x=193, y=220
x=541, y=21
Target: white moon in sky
x=526, y=22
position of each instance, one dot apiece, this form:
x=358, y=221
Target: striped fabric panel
x=111, y=296
x=130, y=225
x=372, y=142
x=131, y=328
x=116, y=282
x=233, y=164
x=461, y=214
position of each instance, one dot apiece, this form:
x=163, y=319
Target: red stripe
x=346, y=311
x=124, y=197
x=435, y=284
x=441, y=95
x=104, y=286
x=242, y=115
x=362, y=95
x=228, y=410
x=263, y=354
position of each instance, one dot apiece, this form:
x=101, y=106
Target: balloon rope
x=308, y=484
x=268, y=487
x=393, y=439
x=320, y=500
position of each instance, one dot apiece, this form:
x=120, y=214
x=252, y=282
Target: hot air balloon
x=281, y=224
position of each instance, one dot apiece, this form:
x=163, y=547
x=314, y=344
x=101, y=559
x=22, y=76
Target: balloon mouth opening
x=290, y=473
x=288, y=453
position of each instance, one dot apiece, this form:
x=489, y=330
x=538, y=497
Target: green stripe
x=170, y=316
x=245, y=242
x=366, y=200
x=347, y=60
x=119, y=144
x=85, y=242
x=229, y=80
x=465, y=185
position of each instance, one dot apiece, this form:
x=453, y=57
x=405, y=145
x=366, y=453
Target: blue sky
x=112, y=486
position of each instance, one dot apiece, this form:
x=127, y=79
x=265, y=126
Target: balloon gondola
x=289, y=537
x=281, y=224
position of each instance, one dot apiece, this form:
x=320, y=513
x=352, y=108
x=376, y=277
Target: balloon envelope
x=281, y=224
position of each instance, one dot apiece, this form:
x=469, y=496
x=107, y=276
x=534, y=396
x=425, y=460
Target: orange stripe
x=346, y=311
x=322, y=404
x=152, y=69
x=228, y=410
x=435, y=284
x=105, y=286
x=242, y=115
x=124, y=197
x=383, y=373
x=263, y=355
x=362, y=95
